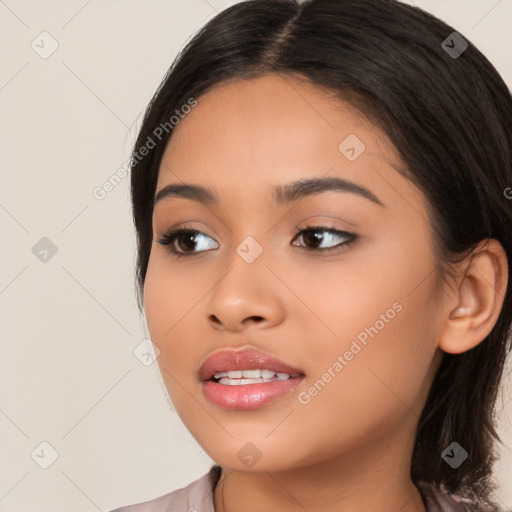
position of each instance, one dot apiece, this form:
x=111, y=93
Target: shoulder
x=437, y=501
x=196, y=496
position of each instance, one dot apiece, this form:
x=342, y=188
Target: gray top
x=198, y=497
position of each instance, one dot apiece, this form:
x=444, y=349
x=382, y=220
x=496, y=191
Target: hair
x=450, y=120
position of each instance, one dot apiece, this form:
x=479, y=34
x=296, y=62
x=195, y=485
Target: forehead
x=275, y=115
x=250, y=135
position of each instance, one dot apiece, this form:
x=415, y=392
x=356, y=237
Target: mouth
x=257, y=376
x=236, y=367
x=247, y=379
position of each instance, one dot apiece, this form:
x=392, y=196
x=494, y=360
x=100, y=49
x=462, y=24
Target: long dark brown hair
x=450, y=118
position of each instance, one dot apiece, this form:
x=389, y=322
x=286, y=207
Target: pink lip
x=249, y=396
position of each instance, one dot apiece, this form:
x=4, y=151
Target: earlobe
x=478, y=299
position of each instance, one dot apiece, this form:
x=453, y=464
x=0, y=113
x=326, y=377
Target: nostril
x=214, y=319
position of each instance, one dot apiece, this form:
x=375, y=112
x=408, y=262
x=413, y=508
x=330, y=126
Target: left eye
x=315, y=237
x=182, y=241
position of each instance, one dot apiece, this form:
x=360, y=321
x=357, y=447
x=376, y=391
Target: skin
x=350, y=447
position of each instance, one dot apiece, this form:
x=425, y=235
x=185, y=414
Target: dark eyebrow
x=309, y=187
x=282, y=193
x=188, y=191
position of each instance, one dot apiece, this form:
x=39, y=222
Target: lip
x=246, y=397
x=243, y=359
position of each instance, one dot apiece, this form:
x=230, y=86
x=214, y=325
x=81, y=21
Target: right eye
x=172, y=239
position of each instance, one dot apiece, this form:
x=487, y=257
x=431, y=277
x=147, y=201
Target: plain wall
x=69, y=324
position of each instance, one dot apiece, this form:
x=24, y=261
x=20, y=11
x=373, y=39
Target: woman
x=321, y=194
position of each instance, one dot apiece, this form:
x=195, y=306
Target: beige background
x=68, y=373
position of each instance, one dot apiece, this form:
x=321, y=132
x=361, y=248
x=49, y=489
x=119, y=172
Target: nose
x=246, y=294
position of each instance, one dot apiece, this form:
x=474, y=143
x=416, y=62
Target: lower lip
x=247, y=397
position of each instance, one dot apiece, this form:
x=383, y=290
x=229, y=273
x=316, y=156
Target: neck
x=373, y=477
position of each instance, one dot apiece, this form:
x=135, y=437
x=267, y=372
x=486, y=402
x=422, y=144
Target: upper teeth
x=252, y=374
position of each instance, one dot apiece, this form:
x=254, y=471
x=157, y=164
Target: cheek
x=385, y=377
x=358, y=298
x=170, y=300
x=383, y=385
x=169, y=297
x=381, y=315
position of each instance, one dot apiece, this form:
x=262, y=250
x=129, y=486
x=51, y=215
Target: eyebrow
x=282, y=193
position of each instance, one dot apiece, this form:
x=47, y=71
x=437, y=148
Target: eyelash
x=167, y=239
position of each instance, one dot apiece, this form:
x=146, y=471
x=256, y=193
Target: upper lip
x=243, y=359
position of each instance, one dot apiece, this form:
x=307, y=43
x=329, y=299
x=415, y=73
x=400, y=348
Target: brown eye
x=315, y=236
x=185, y=239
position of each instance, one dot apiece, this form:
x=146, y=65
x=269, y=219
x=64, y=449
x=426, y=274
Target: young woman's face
x=358, y=321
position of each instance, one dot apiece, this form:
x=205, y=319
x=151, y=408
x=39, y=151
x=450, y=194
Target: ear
x=475, y=305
